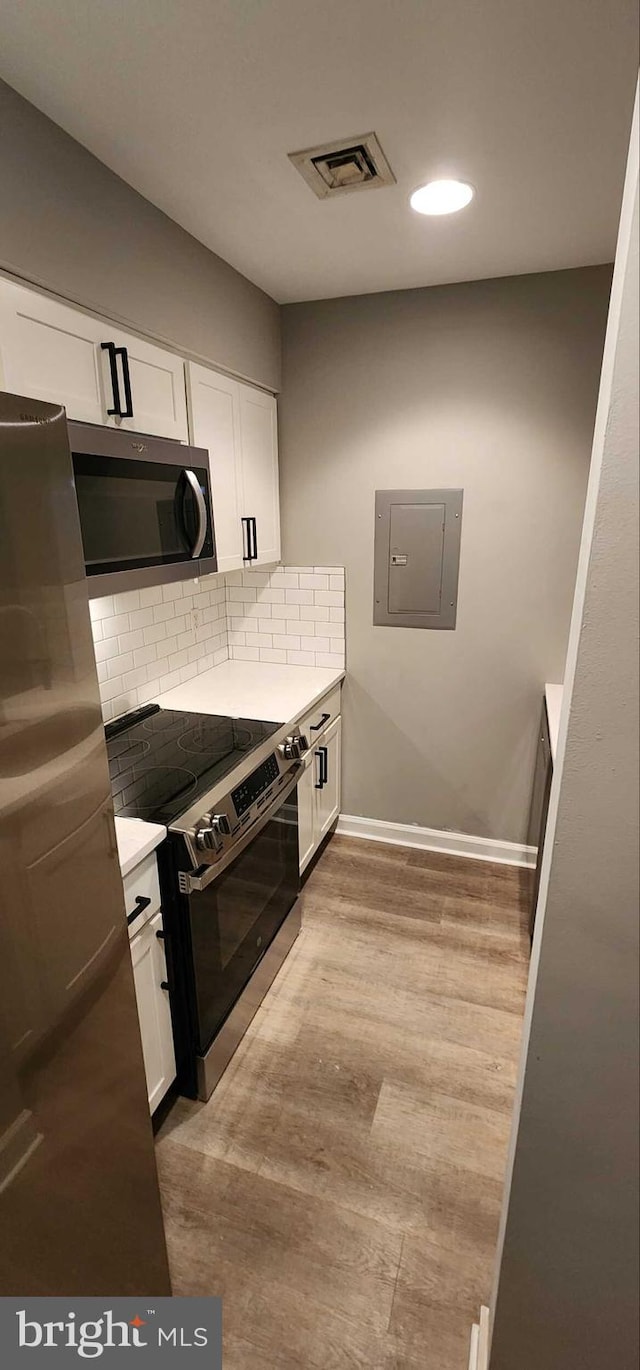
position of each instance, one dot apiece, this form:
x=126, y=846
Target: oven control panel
x=255, y=784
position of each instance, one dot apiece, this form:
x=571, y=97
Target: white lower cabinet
x=319, y=792
x=150, y=978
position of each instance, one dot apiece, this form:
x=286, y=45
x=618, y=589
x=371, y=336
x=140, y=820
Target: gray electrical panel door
x=416, y=558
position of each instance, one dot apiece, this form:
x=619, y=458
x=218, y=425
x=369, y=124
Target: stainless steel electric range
x=229, y=870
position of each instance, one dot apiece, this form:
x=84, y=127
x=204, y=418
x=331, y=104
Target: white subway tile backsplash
x=174, y=590
x=101, y=608
x=111, y=627
x=299, y=596
x=147, y=641
x=276, y=657
x=152, y=595
x=117, y=665
x=162, y=612
x=145, y=655
x=334, y=598
x=314, y=582
x=301, y=609
x=141, y=618
x=285, y=580
x=301, y=659
x=127, y=642
x=335, y=659
x=246, y=653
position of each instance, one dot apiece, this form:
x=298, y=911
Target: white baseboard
x=479, y=1347
x=433, y=839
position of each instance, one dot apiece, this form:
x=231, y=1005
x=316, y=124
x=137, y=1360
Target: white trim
x=473, y=1347
x=433, y=839
x=483, y=1339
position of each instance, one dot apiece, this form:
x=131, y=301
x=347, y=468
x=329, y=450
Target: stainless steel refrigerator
x=79, y=1201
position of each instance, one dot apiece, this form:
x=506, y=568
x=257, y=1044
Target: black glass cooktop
x=161, y=761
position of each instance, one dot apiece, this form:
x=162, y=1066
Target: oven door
x=236, y=916
x=143, y=510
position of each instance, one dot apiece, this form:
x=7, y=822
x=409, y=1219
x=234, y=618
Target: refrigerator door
x=79, y=1201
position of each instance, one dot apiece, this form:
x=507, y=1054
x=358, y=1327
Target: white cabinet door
x=260, y=490
x=149, y=973
x=157, y=384
x=319, y=792
x=214, y=408
x=307, y=813
x=328, y=797
x=51, y=352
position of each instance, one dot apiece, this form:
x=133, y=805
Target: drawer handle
x=164, y=984
x=315, y=727
x=160, y=936
x=142, y=903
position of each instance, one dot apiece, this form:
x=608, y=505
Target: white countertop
x=253, y=689
x=553, y=697
x=135, y=840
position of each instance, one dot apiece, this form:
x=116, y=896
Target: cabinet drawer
x=321, y=716
x=140, y=885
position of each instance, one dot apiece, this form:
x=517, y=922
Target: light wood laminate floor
x=341, y=1190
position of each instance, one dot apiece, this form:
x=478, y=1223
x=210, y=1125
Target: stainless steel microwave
x=145, y=508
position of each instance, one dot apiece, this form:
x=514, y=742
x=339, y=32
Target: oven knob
x=220, y=824
x=293, y=747
x=207, y=839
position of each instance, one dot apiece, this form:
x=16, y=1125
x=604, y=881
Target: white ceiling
x=196, y=103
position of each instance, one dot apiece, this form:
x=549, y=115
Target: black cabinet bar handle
x=246, y=539
x=254, y=530
x=127, y=412
x=322, y=778
x=115, y=384
x=164, y=984
x=142, y=903
x=160, y=936
x=315, y=727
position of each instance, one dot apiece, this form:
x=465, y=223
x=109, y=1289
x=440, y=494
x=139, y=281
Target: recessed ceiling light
x=441, y=197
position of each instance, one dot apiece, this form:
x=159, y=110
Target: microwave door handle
x=194, y=483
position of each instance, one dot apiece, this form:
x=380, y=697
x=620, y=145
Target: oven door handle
x=194, y=883
x=194, y=485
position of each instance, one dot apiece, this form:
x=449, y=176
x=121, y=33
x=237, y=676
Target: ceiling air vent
x=348, y=164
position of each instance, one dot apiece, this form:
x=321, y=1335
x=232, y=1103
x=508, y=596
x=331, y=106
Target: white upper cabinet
x=237, y=425
x=149, y=386
x=260, y=491
x=53, y=352
x=215, y=424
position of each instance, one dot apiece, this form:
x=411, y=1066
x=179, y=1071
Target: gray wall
x=70, y=225
x=491, y=386
x=568, y=1285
